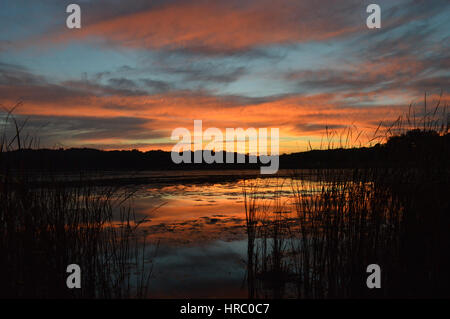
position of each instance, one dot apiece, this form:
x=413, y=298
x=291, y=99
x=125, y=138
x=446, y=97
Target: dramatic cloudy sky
x=138, y=69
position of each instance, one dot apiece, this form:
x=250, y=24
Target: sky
x=136, y=69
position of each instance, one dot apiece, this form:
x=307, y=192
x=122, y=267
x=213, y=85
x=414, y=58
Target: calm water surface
x=199, y=225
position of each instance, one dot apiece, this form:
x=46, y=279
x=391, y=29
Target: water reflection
x=202, y=234
x=214, y=269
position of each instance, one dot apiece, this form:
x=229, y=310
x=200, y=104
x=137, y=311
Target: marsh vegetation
x=319, y=244
x=44, y=229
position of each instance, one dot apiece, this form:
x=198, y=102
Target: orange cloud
x=299, y=118
x=215, y=26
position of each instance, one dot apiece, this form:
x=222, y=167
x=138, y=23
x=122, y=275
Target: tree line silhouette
x=411, y=149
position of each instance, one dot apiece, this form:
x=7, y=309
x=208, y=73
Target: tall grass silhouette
x=45, y=228
x=395, y=215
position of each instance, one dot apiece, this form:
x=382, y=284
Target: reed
x=395, y=215
x=45, y=228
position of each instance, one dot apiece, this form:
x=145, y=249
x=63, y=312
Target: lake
x=199, y=223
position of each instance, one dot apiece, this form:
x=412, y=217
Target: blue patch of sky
x=69, y=62
x=20, y=19
x=268, y=76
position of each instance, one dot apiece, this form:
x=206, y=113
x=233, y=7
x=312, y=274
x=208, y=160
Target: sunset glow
x=136, y=70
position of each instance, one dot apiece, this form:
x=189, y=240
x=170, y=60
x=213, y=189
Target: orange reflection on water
x=188, y=213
